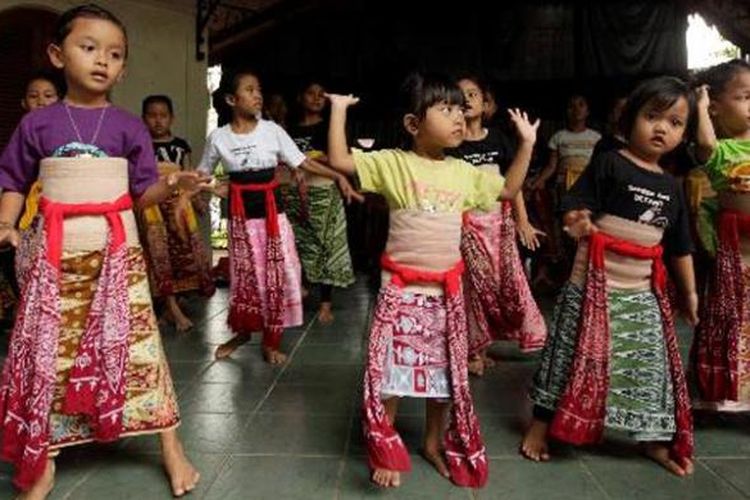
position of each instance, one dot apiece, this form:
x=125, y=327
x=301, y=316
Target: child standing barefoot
x=721, y=347
x=611, y=359
x=177, y=255
x=319, y=229
x=418, y=340
x=499, y=301
x=85, y=361
x=264, y=293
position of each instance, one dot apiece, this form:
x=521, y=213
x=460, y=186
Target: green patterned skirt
x=640, y=400
x=321, y=237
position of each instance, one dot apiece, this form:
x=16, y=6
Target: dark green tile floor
x=260, y=432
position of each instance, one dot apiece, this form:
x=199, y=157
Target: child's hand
x=9, y=235
x=524, y=128
x=702, y=100
x=343, y=101
x=347, y=191
x=690, y=308
x=192, y=181
x=578, y=224
x=529, y=235
x=221, y=190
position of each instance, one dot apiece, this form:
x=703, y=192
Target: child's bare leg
x=659, y=453
x=325, y=315
x=384, y=477
x=227, y=348
x=183, y=476
x=436, y=413
x=181, y=322
x=534, y=445
x=271, y=352
x=43, y=486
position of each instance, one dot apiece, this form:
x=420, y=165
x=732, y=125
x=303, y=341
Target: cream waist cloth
x=623, y=273
x=88, y=180
x=738, y=201
x=424, y=240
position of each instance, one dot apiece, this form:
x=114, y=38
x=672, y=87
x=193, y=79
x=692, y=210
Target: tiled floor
x=259, y=432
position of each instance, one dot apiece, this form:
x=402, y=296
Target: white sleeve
x=210, y=157
x=288, y=151
x=554, y=142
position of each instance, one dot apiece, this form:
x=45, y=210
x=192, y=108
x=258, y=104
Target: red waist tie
x=600, y=242
x=402, y=275
x=237, y=207
x=55, y=212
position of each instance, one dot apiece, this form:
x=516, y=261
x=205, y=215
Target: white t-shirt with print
x=578, y=144
x=265, y=147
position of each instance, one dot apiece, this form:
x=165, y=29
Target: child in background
x=177, y=254
x=319, y=225
x=265, y=287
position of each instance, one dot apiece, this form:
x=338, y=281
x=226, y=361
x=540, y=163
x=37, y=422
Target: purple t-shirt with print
x=44, y=131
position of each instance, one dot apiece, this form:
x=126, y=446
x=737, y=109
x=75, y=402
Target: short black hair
x=48, y=76
x=154, y=99
x=87, y=11
x=421, y=91
x=477, y=79
x=718, y=77
x=660, y=93
x=308, y=82
x=230, y=81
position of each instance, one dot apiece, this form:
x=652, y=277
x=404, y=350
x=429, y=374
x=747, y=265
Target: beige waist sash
x=738, y=201
x=424, y=240
x=87, y=180
x=623, y=273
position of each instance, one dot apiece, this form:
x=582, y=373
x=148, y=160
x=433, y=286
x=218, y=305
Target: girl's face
x=731, y=109
x=655, y=132
x=276, y=108
x=92, y=56
x=39, y=93
x=474, y=99
x=158, y=120
x=313, y=99
x=578, y=109
x=247, y=100
x=442, y=126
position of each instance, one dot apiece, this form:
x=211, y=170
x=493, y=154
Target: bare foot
x=386, y=478
x=488, y=361
x=181, y=322
x=476, y=365
x=325, y=316
x=183, y=477
x=435, y=457
x=534, y=445
x=43, y=486
x=274, y=356
x=227, y=348
x=660, y=454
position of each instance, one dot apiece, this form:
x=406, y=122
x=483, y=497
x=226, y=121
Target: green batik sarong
x=321, y=237
x=640, y=400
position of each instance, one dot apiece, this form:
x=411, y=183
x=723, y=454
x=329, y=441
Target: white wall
x=161, y=35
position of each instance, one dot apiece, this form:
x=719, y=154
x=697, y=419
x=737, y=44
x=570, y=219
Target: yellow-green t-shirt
x=409, y=181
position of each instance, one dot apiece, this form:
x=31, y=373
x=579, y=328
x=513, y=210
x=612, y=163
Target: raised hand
x=702, y=100
x=340, y=100
x=524, y=128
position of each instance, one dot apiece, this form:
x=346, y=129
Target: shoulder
x=181, y=143
x=126, y=119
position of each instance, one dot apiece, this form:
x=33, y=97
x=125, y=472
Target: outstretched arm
x=527, y=137
x=705, y=134
x=339, y=157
